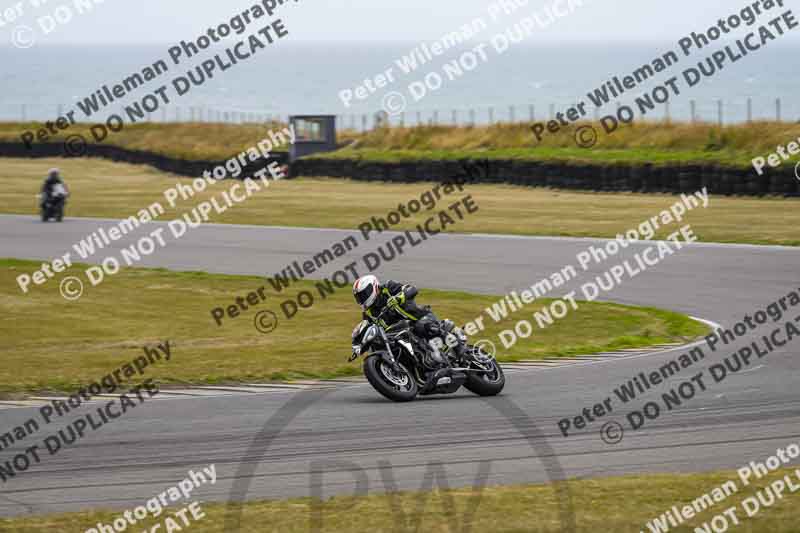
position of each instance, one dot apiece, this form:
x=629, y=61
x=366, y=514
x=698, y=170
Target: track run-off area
x=336, y=440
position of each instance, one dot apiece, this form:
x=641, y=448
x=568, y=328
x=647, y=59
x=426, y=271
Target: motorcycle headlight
x=371, y=333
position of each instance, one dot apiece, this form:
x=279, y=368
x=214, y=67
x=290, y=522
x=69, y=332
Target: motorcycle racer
x=397, y=302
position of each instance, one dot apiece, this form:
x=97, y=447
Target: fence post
x=491, y=116
x=531, y=112
x=511, y=114
x=419, y=118
x=778, y=109
x=666, y=112
x=402, y=119
x=693, y=110
x=719, y=112
x=749, y=109
x=435, y=118
x=455, y=117
x=363, y=123
x=472, y=117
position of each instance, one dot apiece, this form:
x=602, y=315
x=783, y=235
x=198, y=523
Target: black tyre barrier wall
x=182, y=167
x=675, y=178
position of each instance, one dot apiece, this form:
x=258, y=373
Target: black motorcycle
x=52, y=205
x=400, y=365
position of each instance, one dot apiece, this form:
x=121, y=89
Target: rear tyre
x=397, y=386
x=490, y=383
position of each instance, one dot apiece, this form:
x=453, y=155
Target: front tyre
x=397, y=386
x=490, y=383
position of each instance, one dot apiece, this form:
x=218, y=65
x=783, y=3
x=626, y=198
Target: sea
x=531, y=81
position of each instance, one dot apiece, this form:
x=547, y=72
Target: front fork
x=388, y=356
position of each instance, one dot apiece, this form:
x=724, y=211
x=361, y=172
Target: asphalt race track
x=323, y=442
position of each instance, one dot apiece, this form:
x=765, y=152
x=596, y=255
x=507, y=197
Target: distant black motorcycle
x=400, y=365
x=52, y=205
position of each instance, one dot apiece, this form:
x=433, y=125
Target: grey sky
x=157, y=21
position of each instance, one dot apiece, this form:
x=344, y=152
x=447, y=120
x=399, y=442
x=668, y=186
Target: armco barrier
x=674, y=178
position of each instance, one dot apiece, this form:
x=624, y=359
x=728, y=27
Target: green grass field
x=655, y=142
x=618, y=505
x=181, y=140
x=107, y=327
x=104, y=189
x=644, y=142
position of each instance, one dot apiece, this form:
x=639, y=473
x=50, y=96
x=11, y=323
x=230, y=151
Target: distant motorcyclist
x=53, y=196
x=397, y=302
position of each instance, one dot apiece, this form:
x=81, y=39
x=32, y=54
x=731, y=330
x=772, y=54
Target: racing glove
x=397, y=300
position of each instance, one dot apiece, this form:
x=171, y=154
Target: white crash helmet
x=365, y=291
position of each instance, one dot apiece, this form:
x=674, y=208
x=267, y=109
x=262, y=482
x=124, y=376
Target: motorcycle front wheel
x=396, y=386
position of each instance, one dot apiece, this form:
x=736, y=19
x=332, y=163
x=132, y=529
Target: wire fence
x=715, y=111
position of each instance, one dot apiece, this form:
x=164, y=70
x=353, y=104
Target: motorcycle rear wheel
x=398, y=387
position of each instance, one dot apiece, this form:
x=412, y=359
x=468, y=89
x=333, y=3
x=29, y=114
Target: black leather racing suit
x=47, y=188
x=399, y=299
